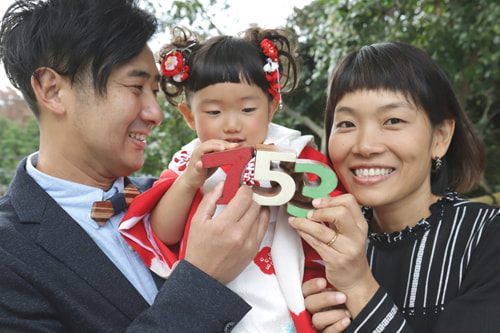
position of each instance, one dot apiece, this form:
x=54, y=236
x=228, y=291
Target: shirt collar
x=76, y=199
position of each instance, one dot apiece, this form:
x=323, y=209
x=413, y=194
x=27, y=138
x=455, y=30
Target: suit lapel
x=64, y=239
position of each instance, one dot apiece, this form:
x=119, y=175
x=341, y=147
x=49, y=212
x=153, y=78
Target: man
x=85, y=69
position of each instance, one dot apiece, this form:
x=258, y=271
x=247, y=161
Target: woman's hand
x=342, y=245
x=329, y=314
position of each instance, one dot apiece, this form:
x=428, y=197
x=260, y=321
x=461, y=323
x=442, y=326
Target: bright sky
x=265, y=13
x=242, y=13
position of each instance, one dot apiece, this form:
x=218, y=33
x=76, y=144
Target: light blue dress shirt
x=77, y=199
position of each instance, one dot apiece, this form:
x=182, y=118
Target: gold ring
x=334, y=238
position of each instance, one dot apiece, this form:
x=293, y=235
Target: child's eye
x=248, y=110
x=215, y=112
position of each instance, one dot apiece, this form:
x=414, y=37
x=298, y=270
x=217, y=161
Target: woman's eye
x=394, y=121
x=345, y=124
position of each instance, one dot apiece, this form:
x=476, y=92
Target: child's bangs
x=229, y=61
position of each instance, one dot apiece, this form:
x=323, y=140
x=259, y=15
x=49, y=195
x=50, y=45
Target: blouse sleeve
x=380, y=315
x=474, y=309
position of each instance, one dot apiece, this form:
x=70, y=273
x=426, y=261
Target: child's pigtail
x=174, y=61
x=279, y=63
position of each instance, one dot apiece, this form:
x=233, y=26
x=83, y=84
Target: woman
x=426, y=260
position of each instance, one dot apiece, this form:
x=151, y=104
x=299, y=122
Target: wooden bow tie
x=102, y=211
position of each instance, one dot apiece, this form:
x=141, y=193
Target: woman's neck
x=404, y=213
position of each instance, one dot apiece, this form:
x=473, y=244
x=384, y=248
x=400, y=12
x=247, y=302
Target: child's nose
x=231, y=124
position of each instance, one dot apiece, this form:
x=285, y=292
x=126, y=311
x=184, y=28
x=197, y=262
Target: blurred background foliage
x=463, y=36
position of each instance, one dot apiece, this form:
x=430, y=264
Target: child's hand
x=195, y=174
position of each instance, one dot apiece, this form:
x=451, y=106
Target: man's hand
x=223, y=246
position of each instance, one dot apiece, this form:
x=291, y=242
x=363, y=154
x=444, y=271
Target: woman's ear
x=188, y=115
x=442, y=135
x=47, y=85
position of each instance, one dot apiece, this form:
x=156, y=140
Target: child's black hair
x=232, y=59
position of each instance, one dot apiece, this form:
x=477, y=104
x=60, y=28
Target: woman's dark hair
x=403, y=68
x=75, y=38
x=229, y=59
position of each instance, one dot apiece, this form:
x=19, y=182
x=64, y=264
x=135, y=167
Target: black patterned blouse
x=443, y=275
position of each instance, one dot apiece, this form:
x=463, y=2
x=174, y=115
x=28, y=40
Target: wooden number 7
x=237, y=159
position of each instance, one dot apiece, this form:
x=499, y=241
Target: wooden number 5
x=263, y=171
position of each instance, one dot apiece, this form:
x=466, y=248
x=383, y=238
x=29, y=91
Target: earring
x=439, y=176
x=437, y=163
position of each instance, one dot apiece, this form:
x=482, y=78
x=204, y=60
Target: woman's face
x=381, y=147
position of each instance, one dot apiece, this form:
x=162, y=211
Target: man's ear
x=188, y=115
x=443, y=133
x=47, y=84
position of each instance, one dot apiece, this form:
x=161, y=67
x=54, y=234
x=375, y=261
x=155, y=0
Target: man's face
x=107, y=134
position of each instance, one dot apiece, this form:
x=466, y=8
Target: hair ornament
x=272, y=69
x=175, y=64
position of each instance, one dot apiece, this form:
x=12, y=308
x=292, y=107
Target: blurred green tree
x=16, y=141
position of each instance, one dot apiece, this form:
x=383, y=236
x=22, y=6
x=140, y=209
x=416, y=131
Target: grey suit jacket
x=54, y=278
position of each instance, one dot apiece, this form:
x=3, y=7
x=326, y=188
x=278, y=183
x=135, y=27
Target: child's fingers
x=213, y=146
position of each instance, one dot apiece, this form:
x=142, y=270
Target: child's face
x=234, y=112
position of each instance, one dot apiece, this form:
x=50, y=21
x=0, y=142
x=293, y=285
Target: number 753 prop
x=279, y=165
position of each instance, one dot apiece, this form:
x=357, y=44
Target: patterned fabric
x=271, y=284
x=102, y=211
x=441, y=275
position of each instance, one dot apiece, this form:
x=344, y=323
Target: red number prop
x=237, y=159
